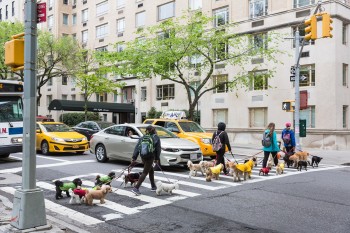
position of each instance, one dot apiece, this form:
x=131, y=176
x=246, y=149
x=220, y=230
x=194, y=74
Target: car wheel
x=4, y=155
x=101, y=154
x=45, y=148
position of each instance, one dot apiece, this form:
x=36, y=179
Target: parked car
x=189, y=130
x=119, y=142
x=88, y=128
x=57, y=137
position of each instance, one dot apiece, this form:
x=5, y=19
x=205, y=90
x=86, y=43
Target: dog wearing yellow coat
x=214, y=172
x=243, y=169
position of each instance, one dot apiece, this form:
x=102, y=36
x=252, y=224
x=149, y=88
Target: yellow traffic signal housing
x=288, y=105
x=14, y=52
x=326, y=25
x=311, y=29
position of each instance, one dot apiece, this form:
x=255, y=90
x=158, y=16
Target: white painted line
x=180, y=192
x=69, y=226
x=6, y=202
x=14, y=157
x=108, y=217
x=18, y=169
x=49, y=158
x=59, y=209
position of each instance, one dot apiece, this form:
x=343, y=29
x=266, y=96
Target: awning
x=71, y=105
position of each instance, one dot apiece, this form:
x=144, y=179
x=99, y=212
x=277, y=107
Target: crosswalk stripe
x=180, y=192
x=52, y=206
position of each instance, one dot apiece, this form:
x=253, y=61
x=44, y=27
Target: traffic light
x=287, y=105
x=326, y=25
x=311, y=29
x=14, y=52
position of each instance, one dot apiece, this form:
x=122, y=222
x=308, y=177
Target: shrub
x=74, y=118
x=153, y=113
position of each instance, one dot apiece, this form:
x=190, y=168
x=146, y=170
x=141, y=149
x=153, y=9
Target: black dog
x=302, y=164
x=315, y=161
x=101, y=180
x=132, y=178
x=61, y=186
x=287, y=161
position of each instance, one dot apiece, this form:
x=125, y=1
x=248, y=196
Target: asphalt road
x=316, y=200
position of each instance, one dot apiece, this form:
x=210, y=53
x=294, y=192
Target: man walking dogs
x=149, y=148
x=220, y=141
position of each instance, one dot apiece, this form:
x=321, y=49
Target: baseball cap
x=288, y=124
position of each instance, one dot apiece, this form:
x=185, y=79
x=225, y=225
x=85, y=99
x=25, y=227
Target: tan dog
x=208, y=164
x=295, y=159
x=236, y=173
x=302, y=155
x=195, y=167
x=279, y=168
x=270, y=162
x=214, y=172
x=97, y=194
x=245, y=169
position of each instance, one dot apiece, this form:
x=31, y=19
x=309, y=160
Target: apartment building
x=11, y=10
x=324, y=64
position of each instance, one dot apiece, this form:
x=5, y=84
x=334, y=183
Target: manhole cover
x=346, y=164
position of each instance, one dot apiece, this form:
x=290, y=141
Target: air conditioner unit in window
x=101, y=40
x=84, y=24
x=120, y=34
x=84, y=1
x=74, y=6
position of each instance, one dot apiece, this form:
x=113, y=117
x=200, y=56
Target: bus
x=11, y=117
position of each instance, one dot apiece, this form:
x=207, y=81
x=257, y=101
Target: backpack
x=146, y=146
x=266, y=142
x=286, y=137
x=217, y=142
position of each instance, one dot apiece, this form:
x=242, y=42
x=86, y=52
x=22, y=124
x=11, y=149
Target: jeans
x=220, y=159
x=147, y=170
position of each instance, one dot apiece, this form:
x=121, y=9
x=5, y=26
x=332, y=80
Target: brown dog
x=214, y=172
x=97, y=194
x=302, y=155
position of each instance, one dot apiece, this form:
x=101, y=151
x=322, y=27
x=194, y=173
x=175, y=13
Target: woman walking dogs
x=149, y=149
x=222, y=135
x=270, y=144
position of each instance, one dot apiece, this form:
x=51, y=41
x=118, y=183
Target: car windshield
x=11, y=109
x=161, y=132
x=57, y=128
x=191, y=127
x=104, y=125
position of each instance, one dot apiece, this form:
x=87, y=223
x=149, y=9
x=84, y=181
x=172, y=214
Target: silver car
x=119, y=142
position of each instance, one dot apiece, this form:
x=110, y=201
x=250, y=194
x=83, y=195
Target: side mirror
x=38, y=131
x=174, y=130
x=135, y=136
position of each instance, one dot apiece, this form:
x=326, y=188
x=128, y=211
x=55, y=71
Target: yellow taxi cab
x=174, y=121
x=57, y=137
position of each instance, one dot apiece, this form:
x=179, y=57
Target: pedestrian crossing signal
x=287, y=106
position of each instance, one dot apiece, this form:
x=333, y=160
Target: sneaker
x=136, y=191
x=153, y=189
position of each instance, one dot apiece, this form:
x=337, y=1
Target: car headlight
x=84, y=139
x=16, y=140
x=170, y=149
x=58, y=139
x=206, y=140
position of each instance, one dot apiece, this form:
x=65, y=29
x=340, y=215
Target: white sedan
x=119, y=142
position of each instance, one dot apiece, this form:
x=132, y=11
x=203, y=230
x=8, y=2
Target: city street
x=315, y=200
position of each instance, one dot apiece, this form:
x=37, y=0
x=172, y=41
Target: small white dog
x=195, y=167
x=168, y=188
x=75, y=199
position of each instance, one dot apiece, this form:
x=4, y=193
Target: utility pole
x=297, y=94
x=28, y=203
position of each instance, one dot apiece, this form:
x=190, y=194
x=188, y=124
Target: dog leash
x=163, y=172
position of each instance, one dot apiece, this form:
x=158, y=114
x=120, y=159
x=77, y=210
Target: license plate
x=75, y=146
x=193, y=156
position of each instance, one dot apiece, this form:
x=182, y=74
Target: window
x=102, y=49
x=195, y=85
x=257, y=117
x=219, y=115
x=50, y=21
x=345, y=116
x=221, y=82
x=221, y=51
x=345, y=34
x=102, y=30
x=84, y=15
x=84, y=36
x=257, y=8
x=120, y=47
x=74, y=2
x=48, y=100
x=345, y=74
x=307, y=75
x=221, y=16
x=120, y=25
x=6, y=13
x=102, y=8
x=120, y=3
x=64, y=97
x=308, y=115
x=195, y=60
x=259, y=80
x=300, y=3
x=13, y=9
x=74, y=19
x=73, y=97
x=101, y=97
x=165, y=92
x=166, y=11
x=74, y=36
x=143, y=93
x=259, y=41
x=65, y=2
x=140, y=19
x=0, y=14
x=49, y=83
x=195, y=4
x=115, y=98
x=64, y=80
x=65, y=19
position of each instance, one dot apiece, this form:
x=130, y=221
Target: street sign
x=292, y=70
x=41, y=12
x=292, y=78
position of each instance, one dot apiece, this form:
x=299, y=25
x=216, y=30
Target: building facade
x=324, y=64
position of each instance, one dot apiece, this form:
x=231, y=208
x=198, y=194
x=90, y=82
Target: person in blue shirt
x=288, y=138
x=273, y=148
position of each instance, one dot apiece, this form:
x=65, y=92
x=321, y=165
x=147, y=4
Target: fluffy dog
x=98, y=194
x=214, y=172
x=295, y=159
x=315, y=160
x=279, y=168
x=270, y=162
x=302, y=164
x=265, y=171
x=254, y=159
x=168, y=188
x=302, y=155
x=195, y=167
x=208, y=164
x=132, y=178
x=101, y=180
x=287, y=160
x=236, y=173
x=77, y=195
x=61, y=186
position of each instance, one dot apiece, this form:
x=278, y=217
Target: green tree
x=186, y=50
x=8, y=29
x=90, y=80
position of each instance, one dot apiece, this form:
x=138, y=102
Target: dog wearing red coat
x=265, y=171
x=78, y=195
